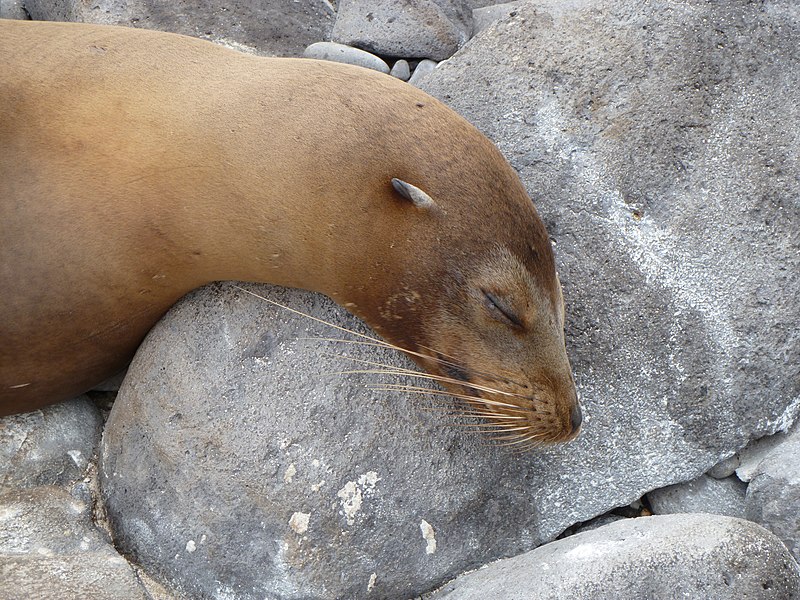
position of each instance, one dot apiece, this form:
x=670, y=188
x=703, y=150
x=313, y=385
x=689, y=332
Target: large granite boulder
x=659, y=142
x=236, y=461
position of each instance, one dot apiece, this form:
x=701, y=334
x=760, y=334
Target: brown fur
x=136, y=166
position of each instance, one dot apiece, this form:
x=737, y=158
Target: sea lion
x=136, y=166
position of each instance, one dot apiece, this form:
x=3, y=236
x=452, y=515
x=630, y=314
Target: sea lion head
x=471, y=291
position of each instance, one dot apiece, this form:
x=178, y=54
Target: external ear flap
x=414, y=194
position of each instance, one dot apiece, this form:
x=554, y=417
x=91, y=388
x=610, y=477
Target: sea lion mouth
x=516, y=413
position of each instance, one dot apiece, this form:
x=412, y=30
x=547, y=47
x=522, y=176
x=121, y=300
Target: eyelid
x=501, y=307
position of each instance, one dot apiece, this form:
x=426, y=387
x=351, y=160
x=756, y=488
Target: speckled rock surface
x=773, y=496
x=421, y=29
x=231, y=432
x=270, y=27
x=687, y=349
x=702, y=495
x=678, y=556
x=485, y=16
x=659, y=143
x=12, y=9
x=49, y=550
x=51, y=446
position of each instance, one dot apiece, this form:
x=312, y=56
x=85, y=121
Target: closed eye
x=501, y=311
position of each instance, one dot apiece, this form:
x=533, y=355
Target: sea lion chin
x=136, y=166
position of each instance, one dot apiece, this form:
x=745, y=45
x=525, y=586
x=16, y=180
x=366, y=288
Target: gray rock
x=272, y=27
x=679, y=556
x=773, y=496
x=702, y=495
x=421, y=29
x=725, y=468
x=658, y=142
x=345, y=54
x=230, y=432
x=51, y=446
x=49, y=550
x=485, y=16
x=751, y=457
x=401, y=70
x=423, y=69
x=473, y=4
x=12, y=9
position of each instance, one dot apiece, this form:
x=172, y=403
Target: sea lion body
x=136, y=166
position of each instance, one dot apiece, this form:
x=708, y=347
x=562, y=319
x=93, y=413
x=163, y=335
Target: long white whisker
x=428, y=391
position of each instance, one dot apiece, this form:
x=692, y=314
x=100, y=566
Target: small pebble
x=424, y=67
x=725, y=468
x=345, y=54
x=401, y=70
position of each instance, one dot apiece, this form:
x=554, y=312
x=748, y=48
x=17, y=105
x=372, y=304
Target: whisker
x=524, y=448
x=453, y=362
x=489, y=428
x=430, y=392
x=389, y=370
x=501, y=429
x=313, y=318
x=432, y=357
x=376, y=341
x=514, y=440
x=392, y=370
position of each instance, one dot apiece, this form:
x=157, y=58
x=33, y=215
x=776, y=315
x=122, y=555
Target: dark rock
x=112, y=384
x=230, y=432
x=725, y=468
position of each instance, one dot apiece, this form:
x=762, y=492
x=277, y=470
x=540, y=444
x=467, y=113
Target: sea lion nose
x=576, y=418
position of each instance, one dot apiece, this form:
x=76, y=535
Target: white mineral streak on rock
x=368, y=480
x=291, y=471
x=77, y=458
x=429, y=535
x=299, y=522
x=352, y=494
x=351, y=501
x=191, y=546
x=371, y=584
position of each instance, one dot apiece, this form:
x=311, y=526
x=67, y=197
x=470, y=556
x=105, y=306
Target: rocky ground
x=659, y=142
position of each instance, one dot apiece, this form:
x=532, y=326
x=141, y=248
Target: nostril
x=576, y=417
